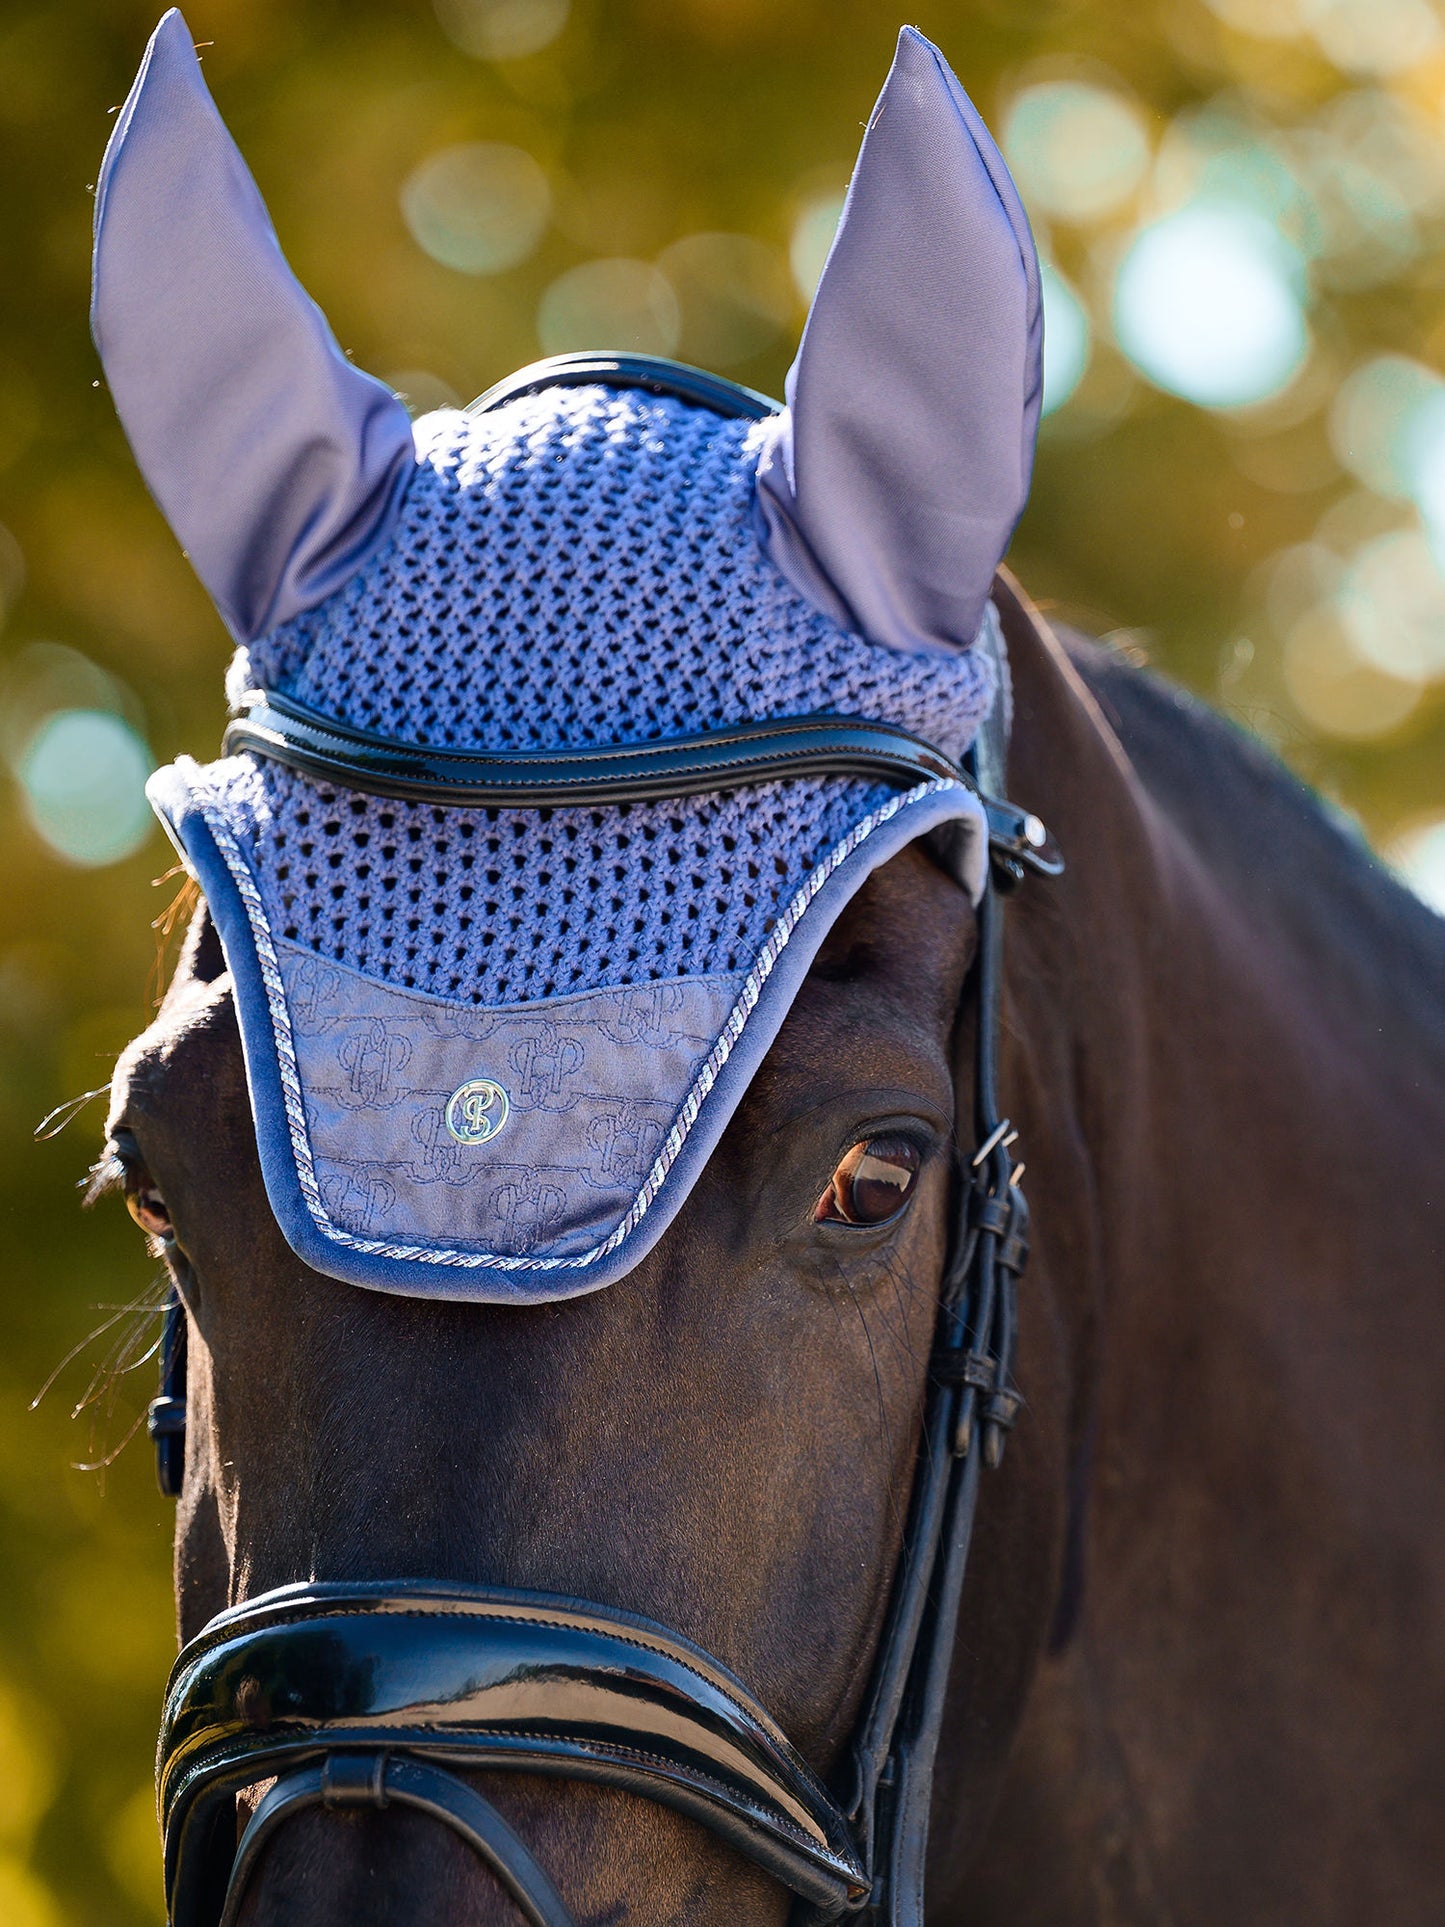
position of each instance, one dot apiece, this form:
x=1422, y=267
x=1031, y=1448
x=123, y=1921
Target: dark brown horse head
x=724, y=1441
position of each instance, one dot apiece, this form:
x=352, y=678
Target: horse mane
x=1288, y=856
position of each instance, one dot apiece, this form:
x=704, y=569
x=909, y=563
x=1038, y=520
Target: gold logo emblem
x=477, y=1112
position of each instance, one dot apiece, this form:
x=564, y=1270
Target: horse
x=1199, y=1644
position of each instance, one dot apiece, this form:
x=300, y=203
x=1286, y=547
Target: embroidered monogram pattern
x=405, y=1123
x=358, y=1196
x=527, y=1209
x=547, y=1060
x=372, y=1057
x=648, y=1014
x=442, y=1160
x=626, y=1138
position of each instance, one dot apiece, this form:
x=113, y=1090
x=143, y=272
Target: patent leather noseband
x=381, y=1695
x=342, y=1691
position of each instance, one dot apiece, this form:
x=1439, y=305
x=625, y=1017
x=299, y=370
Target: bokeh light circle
x=615, y=303
x=734, y=295
x=1066, y=339
x=1429, y=479
x=1077, y=150
x=1372, y=36
x=1391, y=601
x=1382, y=424
x=1206, y=305
x=502, y=29
x=1268, y=19
x=1337, y=692
x=1376, y=37
x=1387, y=426
x=480, y=207
x=83, y=776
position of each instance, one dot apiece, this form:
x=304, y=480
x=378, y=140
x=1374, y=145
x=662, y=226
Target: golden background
x=1243, y=202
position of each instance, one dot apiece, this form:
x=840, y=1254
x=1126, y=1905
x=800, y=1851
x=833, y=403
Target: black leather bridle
x=374, y=1695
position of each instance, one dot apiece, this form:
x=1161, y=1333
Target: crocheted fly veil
x=512, y=907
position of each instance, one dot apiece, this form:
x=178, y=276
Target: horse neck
x=1233, y=1019
x=1275, y=1071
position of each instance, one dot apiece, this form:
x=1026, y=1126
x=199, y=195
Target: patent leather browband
x=368, y=1694
x=290, y=732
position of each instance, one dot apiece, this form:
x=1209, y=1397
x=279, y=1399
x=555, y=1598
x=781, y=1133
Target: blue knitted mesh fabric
x=577, y=567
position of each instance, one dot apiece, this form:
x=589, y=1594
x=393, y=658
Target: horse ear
x=277, y=463
x=893, y=479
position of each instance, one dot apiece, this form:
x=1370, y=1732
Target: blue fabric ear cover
x=278, y=464
x=892, y=482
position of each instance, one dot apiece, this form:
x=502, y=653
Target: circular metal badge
x=477, y=1112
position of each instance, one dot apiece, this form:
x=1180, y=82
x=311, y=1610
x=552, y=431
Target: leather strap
x=382, y=1780
x=486, y=1679
x=292, y=733
x=654, y=373
x=166, y=1414
x=289, y=732
x=897, y=1736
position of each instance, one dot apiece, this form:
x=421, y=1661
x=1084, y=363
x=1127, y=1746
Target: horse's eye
x=872, y=1184
x=146, y=1205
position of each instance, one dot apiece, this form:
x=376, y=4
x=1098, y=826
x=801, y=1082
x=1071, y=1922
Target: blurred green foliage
x=648, y=123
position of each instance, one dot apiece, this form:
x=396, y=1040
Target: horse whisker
x=109, y=1458
x=54, y=1122
x=133, y=1348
